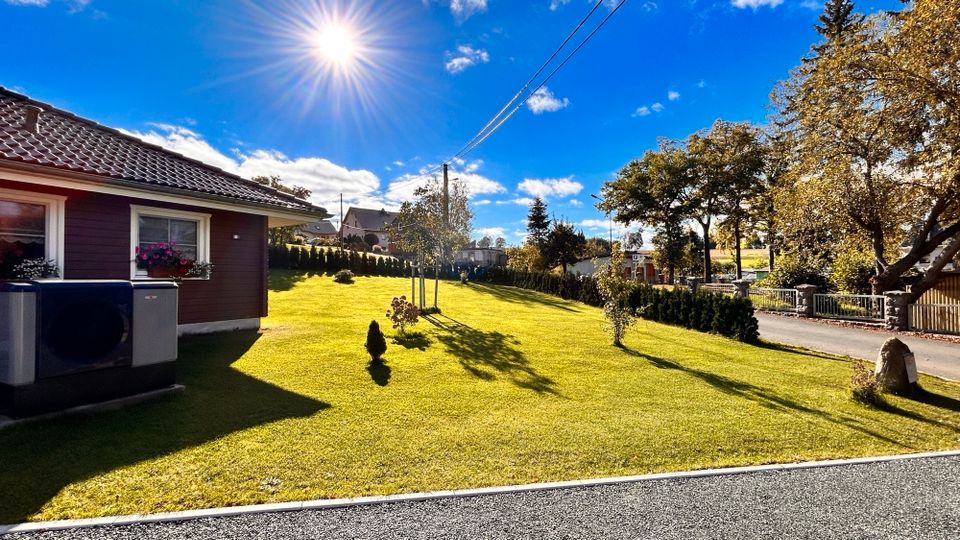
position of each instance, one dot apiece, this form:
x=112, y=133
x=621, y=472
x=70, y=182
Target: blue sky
x=242, y=84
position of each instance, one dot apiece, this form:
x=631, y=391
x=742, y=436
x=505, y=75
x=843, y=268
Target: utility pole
x=446, y=227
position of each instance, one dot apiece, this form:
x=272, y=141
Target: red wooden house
x=87, y=196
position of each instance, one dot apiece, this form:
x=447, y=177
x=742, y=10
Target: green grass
x=508, y=386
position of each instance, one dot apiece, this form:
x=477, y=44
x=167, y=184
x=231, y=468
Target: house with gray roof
x=366, y=221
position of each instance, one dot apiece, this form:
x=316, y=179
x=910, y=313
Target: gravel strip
x=911, y=499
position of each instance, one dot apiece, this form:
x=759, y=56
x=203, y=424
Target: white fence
x=864, y=307
x=938, y=318
x=773, y=299
x=725, y=288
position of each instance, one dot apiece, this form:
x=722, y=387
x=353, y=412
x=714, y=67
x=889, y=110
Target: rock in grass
x=896, y=368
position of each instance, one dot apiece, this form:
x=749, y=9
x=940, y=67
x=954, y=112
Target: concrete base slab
x=93, y=408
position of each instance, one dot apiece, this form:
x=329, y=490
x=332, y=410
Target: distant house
x=488, y=257
x=365, y=221
x=637, y=264
x=317, y=230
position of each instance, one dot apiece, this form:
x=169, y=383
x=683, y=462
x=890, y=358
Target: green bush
x=343, y=276
x=704, y=311
x=376, y=343
x=791, y=271
x=864, y=386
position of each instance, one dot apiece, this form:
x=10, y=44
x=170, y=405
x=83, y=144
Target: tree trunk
x=736, y=239
x=672, y=273
x=707, y=270
x=932, y=275
x=770, y=253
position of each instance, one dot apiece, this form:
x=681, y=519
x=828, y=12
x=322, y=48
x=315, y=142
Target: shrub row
x=316, y=259
x=729, y=316
x=570, y=287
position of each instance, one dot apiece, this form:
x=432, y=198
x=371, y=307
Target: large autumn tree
x=875, y=115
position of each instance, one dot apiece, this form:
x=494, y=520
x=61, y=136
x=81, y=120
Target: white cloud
x=754, y=4
x=463, y=9
x=37, y=3
x=402, y=188
x=597, y=226
x=521, y=201
x=702, y=84
x=673, y=95
x=321, y=176
x=610, y=4
x=464, y=57
x=657, y=107
x=575, y=203
x=543, y=101
x=492, y=232
x=482, y=202
x=547, y=187
x=398, y=163
x=641, y=111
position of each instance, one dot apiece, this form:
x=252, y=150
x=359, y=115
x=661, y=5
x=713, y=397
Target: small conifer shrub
x=376, y=343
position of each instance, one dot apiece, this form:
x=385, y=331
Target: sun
x=336, y=44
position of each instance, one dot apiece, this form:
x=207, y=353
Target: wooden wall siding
x=97, y=246
x=945, y=292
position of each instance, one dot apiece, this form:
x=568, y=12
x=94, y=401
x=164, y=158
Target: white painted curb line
x=320, y=504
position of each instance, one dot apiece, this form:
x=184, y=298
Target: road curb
x=320, y=504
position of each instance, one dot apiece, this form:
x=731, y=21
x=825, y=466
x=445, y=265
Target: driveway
x=935, y=357
x=910, y=499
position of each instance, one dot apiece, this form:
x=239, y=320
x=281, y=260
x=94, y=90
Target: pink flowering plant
x=402, y=314
x=163, y=255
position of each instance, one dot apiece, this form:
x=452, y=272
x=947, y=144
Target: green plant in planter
x=35, y=269
x=376, y=342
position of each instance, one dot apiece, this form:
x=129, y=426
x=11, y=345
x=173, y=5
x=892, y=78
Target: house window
x=30, y=226
x=186, y=232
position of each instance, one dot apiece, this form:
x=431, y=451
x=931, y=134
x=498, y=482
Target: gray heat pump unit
x=65, y=342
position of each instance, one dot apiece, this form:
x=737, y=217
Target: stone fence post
x=897, y=314
x=805, y=307
x=693, y=283
x=743, y=288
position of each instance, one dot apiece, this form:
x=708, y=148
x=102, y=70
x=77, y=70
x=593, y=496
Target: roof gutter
x=41, y=174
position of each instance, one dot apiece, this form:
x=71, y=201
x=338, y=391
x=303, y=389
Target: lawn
x=507, y=386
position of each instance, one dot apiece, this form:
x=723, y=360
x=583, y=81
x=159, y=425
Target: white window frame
x=55, y=205
x=203, y=233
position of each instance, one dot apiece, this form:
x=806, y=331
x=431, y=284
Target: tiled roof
x=66, y=141
x=319, y=227
x=370, y=219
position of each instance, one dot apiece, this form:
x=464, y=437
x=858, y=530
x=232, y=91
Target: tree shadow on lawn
x=486, y=355
x=284, y=280
x=412, y=340
x=763, y=396
x=40, y=459
x=523, y=296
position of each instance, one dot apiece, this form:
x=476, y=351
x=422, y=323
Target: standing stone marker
x=896, y=368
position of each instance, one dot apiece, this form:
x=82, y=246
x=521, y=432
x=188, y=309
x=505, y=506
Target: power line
x=531, y=79
x=463, y=153
x=486, y=131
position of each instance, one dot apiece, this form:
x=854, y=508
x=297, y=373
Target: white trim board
x=322, y=504
x=232, y=325
x=55, y=219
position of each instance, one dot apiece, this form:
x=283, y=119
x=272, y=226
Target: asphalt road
x=935, y=357
x=911, y=499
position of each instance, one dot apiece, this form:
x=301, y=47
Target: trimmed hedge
x=716, y=313
x=331, y=261
x=729, y=316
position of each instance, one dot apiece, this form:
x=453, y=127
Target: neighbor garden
x=505, y=386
